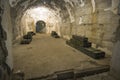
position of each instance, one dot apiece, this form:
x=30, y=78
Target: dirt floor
x=46, y=55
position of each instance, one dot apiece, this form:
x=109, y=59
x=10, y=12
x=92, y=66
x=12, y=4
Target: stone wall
x=27, y=24
x=7, y=26
x=115, y=64
x=95, y=20
x=6, y=64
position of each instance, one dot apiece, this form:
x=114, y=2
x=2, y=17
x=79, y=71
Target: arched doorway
x=40, y=26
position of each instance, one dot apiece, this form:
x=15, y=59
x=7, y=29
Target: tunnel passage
x=40, y=27
x=67, y=18
x=89, y=18
x=36, y=16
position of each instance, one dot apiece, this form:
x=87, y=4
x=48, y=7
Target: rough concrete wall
x=16, y=29
x=93, y=19
x=115, y=64
x=6, y=64
x=7, y=26
x=27, y=24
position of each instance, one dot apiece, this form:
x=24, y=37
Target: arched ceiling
x=60, y=6
x=25, y=4
x=13, y=3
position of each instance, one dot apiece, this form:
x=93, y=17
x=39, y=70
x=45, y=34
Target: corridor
x=82, y=35
x=46, y=55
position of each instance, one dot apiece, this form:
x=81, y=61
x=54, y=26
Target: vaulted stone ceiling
x=61, y=10
x=57, y=5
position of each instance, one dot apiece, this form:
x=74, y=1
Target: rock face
x=95, y=19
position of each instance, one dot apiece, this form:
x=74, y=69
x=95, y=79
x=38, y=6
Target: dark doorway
x=40, y=27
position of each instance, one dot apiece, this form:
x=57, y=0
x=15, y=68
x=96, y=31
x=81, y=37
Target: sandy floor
x=46, y=55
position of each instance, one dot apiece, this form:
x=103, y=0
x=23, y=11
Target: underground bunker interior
x=59, y=39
